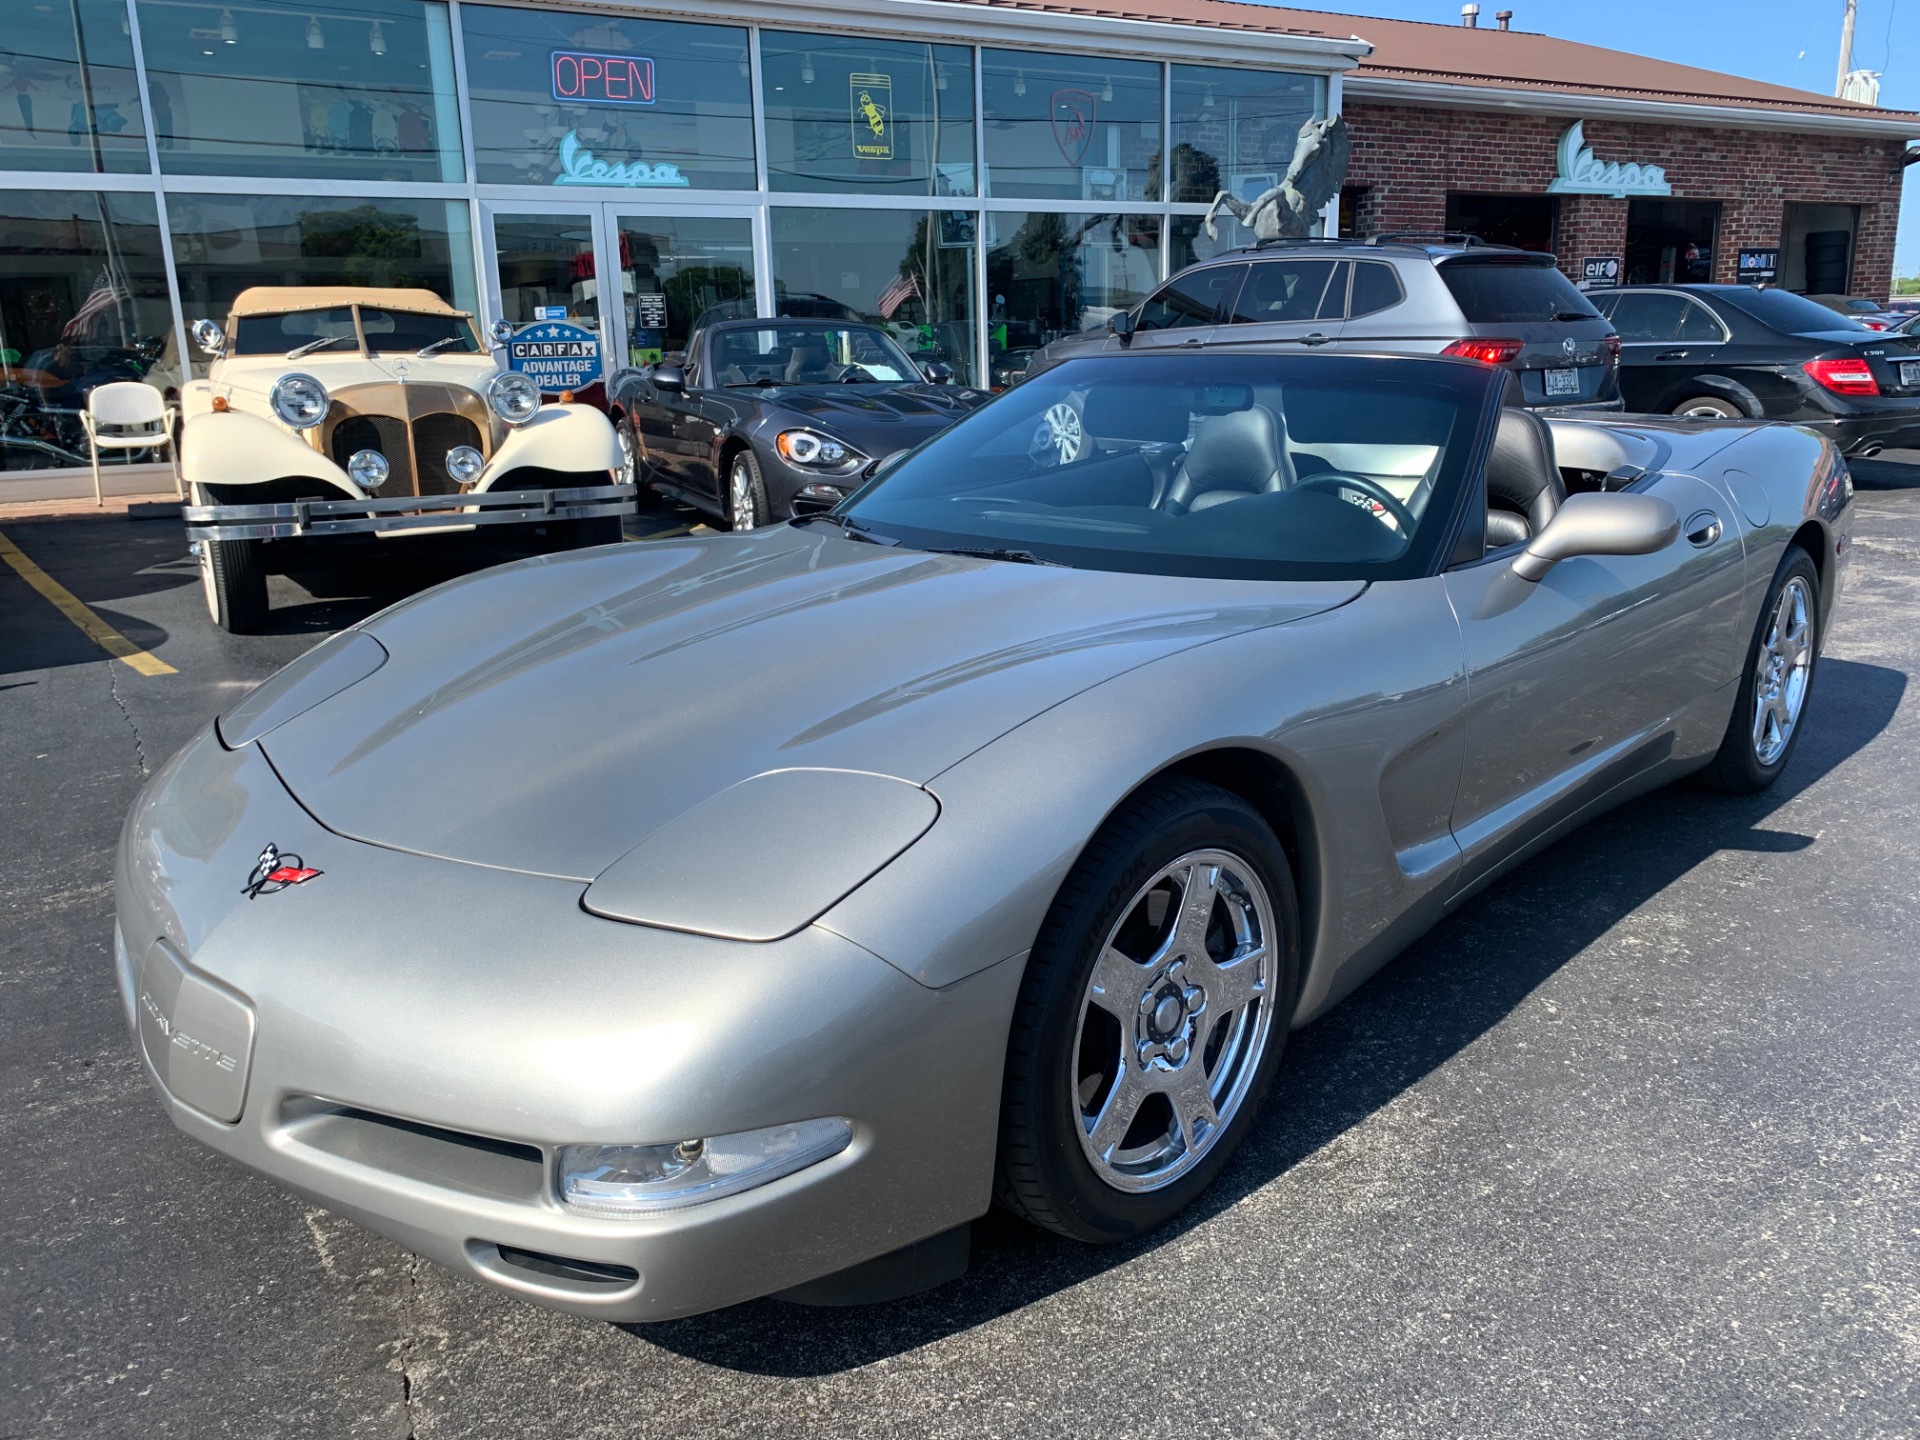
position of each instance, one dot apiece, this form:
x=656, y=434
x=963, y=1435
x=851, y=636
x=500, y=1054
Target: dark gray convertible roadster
x=763, y=420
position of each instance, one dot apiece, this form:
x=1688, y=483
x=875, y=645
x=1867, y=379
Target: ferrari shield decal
x=274, y=872
x=1073, y=112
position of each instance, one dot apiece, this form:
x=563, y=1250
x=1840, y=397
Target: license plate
x=1909, y=374
x=1563, y=382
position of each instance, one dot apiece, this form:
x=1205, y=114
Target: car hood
x=908, y=412
x=549, y=715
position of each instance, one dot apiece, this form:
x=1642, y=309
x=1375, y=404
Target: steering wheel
x=856, y=375
x=1372, y=489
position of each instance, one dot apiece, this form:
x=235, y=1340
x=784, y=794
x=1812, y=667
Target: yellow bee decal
x=875, y=117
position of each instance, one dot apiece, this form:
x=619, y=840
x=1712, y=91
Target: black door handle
x=1671, y=355
x=1703, y=528
x=1316, y=338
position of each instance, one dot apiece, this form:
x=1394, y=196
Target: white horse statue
x=1292, y=206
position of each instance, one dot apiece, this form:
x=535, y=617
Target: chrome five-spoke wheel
x=1152, y=1013
x=1782, y=671
x=1175, y=1020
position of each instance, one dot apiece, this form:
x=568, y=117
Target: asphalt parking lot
x=1628, y=1147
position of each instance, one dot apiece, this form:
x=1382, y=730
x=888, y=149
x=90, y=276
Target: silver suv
x=1447, y=295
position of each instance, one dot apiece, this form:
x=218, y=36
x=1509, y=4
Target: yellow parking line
x=71, y=606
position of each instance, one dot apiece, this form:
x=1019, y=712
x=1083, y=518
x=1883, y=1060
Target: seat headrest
x=1241, y=450
x=1520, y=469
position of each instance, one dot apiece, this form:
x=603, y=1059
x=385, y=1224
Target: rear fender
x=231, y=449
x=1722, y=387
x=569, y=439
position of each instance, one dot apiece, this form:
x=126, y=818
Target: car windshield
x=1237, y=466
x=410, y=331
x=329, y=329
x=1789, y=313
x=388, y=331
x=809, y=355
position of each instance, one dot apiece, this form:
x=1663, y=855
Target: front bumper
x=425, y=1035
x=393, y=514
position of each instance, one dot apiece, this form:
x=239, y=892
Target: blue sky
x=1786, y=43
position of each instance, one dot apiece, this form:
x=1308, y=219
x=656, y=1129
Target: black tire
x=1043, y=1172
x=1709, y=406
x=755, y=491
x=638, y=472
x=1739, y=767
x=235, y=585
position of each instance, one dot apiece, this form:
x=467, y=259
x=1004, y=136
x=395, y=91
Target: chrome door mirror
x=502, y=332
x=209, y=337
x=1599, y=524
x=669, y=377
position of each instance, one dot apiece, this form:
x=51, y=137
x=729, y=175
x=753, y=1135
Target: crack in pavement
x=139, y=748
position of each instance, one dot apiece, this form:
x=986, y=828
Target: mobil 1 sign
x=555, y=355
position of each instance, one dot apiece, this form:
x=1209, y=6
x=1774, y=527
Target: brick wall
x=1406, y=159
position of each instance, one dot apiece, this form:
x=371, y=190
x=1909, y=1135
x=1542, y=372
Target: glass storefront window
x=676, y=270
x=222, y=244
x=867, y=115
x=595, y=100
x=361, y=91
x=1052, y=275
x=1070, y=127
x=908, y=271
x=83, y=302
x=69, y=97
x=1235, y=129
x=1188, y=241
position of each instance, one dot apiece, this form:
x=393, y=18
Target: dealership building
x=976, y=177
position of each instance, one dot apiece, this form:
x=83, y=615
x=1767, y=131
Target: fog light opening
x=618, y=1181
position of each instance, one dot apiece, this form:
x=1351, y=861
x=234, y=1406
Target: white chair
x=127, y=415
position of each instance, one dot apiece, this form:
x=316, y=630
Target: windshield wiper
x=1572, y=315
x=849, y=527
x=437, y=346
x=313, y=345
x=1017, y=557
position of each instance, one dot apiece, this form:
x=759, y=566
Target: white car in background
x=350, y=410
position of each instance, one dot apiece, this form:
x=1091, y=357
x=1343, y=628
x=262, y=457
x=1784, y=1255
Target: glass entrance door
x=634, y=280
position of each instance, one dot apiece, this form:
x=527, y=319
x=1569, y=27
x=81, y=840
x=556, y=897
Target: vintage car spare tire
x=235, y=585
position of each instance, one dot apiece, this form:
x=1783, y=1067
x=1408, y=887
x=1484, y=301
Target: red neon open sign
x=588, y=79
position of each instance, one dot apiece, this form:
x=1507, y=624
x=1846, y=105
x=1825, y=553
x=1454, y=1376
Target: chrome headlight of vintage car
x=464, y=464
x=300, y=400
x=622, y=1180
x=369, y=469
x=814, y=450
x=513, y=397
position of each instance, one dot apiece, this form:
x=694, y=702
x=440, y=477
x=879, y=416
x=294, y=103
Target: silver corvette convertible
x=649, y=928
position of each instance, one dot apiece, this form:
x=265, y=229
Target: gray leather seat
x=1241, y=453
x=810, y=364
x=1524, y=487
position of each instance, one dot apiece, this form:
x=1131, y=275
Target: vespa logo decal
x=1581, y=173
x=578, y=167
x=274, y=872
x=198, y=1049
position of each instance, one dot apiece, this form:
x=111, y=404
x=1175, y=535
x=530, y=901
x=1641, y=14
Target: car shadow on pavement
x=1886, y=474
x=1443, y=993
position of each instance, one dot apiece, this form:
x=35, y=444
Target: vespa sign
x=1582, y=173
x=579, y=166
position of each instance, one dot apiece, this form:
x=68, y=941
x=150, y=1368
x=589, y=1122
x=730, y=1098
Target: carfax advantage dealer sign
x=556, y=355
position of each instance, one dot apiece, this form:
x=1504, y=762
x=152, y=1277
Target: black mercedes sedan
x=1710, y=351
x=762, y=420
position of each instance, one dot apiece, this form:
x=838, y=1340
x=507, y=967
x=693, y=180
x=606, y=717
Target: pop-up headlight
x=618, y=1181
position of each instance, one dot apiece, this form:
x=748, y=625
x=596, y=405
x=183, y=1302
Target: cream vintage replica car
x=352, y=410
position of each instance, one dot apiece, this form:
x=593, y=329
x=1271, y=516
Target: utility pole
x=1846, y=49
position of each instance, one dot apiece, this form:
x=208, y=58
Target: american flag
x=903, y=289
x=91, y=315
